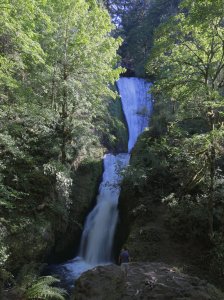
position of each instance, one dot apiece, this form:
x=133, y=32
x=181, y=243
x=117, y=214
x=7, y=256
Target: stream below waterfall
x=98, y=234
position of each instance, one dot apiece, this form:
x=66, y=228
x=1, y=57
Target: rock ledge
x=153, y=281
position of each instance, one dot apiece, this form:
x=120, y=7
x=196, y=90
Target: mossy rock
x=86, y=180
x=30, y=242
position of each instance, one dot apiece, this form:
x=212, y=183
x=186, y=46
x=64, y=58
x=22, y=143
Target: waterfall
x=137, y=106
x=98, y=234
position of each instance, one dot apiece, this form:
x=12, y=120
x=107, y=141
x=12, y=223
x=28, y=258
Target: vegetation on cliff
x=179, y=161
x=136, y=21
x=58, y=62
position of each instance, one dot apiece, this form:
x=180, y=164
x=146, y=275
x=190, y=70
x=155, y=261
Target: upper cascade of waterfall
x=137, y=105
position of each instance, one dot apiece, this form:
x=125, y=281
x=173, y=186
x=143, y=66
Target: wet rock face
x=106, y=282
x=32, y=243
x=86, y=180
x=153, y=281
x=51, y=230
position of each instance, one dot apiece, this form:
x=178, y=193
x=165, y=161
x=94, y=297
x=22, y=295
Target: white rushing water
x=137, y=106
x=98, y=234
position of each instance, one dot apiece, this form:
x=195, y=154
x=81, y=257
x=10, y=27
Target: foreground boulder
x=153, y=281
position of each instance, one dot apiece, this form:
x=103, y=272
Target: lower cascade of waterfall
x=98, y=234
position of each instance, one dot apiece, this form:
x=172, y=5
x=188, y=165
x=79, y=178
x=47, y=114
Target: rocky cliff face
x=86, y=181
x=156, y=281
x=52, y=231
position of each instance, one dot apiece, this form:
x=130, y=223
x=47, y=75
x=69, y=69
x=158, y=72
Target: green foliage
x=115, y=135
x=174, y=168
x=4, y=254
x=188, y=217
x=180, y=160
x=138, y=20
x=42, y=289
x=187, y=60
x=31, y=286
x=82, y=67
x=58, y=62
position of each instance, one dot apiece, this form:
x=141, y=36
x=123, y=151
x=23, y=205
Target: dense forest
x=58, y=61
x=60, y=112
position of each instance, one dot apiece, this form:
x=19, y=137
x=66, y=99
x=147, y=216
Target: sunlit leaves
x=188, y=57
x=58, y=60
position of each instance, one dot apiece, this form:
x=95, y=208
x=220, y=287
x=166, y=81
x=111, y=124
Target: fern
x=42, y=289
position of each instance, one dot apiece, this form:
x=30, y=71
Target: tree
x=58, y=62
x=20, y=47
x=137, y=25
x=83, y=64
x=188, y=62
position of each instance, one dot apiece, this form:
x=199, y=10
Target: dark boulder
x=155, y=281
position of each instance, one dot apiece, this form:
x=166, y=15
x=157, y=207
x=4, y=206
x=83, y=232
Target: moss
x=31, y=240
x=118, y=127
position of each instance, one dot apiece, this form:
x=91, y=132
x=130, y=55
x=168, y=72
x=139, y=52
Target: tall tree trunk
x=53, y=87
x=222, y=229
x=212, y=157
x=64, y=113
x=64, y=117
x=211, y=190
